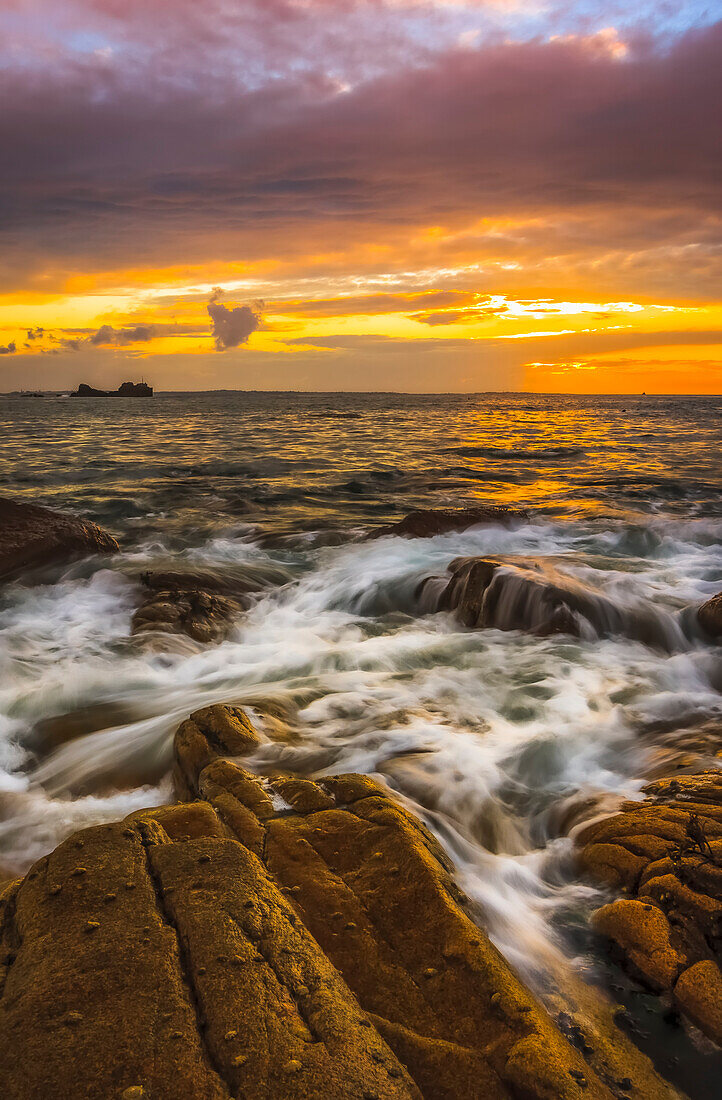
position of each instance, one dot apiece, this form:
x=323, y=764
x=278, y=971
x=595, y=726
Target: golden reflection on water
x=289, y=461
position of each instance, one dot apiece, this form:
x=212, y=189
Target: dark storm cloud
x=134, y=167
x=231, y=325
x=8, y=349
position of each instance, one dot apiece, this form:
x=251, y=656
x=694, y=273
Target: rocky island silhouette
x=126, y=389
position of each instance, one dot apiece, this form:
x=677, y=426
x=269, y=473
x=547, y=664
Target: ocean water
x=500, y=740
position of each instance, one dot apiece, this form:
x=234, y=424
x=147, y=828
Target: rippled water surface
x=499, y=739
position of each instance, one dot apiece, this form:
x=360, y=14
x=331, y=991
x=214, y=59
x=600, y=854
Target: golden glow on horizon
x=650, y=370
x=586, y=342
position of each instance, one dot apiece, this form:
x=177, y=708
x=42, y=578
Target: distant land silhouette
x=127, y=389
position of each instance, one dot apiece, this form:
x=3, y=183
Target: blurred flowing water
x=499, y=739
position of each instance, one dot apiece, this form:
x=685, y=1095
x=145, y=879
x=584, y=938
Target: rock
x=202, y=604
x=666, y=852
x=237, y=580
x=644, y=934
x=201, y=616
x=125, y=389
x=710, y=616
x=209, y=734
x=255, y=942
x=573, y=810
x=690, y=750
x=52, y=733
x=537, y=598
x=698, y=993
x=31, y=536
x=426, y=522
x=293, y=539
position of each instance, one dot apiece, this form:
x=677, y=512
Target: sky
x=415, y=195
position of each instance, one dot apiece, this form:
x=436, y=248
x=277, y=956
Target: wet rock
x=666, y=854
x=201, y=604
x=305, y=540
x=645, y=935
x=202, y=616
x=537, y=598
x=51, y=733
x=690, y=750
x=31, y=536
x=710, y=616
x=209, y=734
x=488, y=592
x=264, y=950
x=426, y=522
x=237, y=580
x=570, y=812
x=698, y=993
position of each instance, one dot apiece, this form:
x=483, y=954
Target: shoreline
x=442, y=1013
x=483, y=597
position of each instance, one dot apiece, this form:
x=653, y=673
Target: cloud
x=140, y=334
x=626, y=148
x=232, y=325
x=460, y=316
x=106, y=334
x=8, y=349
x=371, y=304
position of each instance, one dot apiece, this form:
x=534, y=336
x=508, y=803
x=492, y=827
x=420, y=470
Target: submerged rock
x=537, y=598
x=689, y=750
x=666, y=854
x=278, y=938
x=49, y=734
x=426, y=522
x=31, y=536
x=710, y=616
x=229, y=580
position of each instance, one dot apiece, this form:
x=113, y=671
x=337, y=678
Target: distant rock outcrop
x=32, y=536
x=281, y=939
x=126, y=389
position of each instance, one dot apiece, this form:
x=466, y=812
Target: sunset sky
x=361, y=194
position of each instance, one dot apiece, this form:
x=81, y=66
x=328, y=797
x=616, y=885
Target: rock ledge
x=280, y=938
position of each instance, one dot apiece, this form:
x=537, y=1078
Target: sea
x=500, y=740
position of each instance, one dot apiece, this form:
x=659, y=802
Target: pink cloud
x=108, y=165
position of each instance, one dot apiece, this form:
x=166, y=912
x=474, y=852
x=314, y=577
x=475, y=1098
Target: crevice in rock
x=10, y=939
x=184, y=963
x=270, y=962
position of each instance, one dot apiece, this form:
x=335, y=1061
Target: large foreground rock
x=32, y=536
x=665, y=855
x=272, y=939
x=426, y=522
